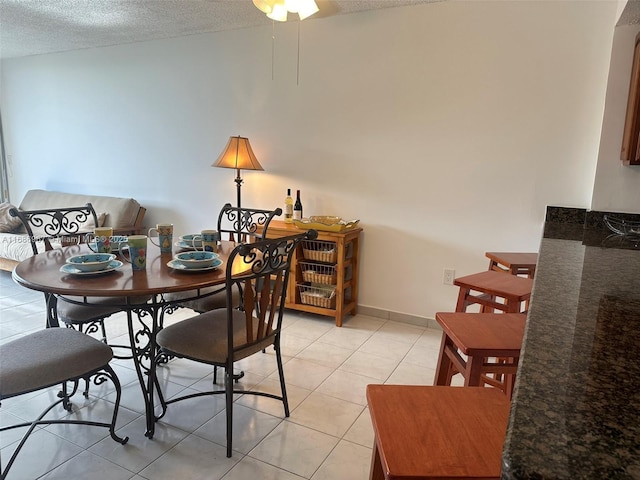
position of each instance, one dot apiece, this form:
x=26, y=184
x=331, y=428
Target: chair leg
x=64, y=400
x=116, y=382
x=32, y=427
x=283, y=387
x=228, y=383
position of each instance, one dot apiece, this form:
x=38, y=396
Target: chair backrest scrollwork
x=245, y=225
x=66, y=224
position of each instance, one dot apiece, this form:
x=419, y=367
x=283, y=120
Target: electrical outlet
x=448, y=276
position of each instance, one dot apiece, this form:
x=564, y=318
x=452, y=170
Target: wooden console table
x=324, y=272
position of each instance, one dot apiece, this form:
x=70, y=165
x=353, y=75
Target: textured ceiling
x=32, y=27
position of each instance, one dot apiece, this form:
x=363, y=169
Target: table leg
x=144, y=351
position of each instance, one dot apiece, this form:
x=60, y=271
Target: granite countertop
x=576, y=409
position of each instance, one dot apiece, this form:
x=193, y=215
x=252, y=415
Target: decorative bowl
x=91, y=262
x=193, y=240
x=196, y=259
x=326, y=223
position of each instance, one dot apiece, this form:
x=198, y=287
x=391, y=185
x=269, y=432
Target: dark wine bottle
x=297, y=207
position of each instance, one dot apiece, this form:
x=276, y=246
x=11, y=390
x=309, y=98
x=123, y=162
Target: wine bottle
x=288, y=207
x=297, y=207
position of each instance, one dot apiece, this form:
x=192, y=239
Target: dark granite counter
x=576, y=409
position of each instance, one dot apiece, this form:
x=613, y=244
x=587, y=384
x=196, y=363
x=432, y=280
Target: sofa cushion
x=119, y=212
x=17, y=247
x=7, y=222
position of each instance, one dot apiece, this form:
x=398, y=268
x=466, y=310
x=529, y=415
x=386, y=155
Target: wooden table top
x=425, y=432
x=42, y=272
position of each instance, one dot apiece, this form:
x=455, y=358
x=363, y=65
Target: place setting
x=195, y=261
x=91, y=264
x=206, y=240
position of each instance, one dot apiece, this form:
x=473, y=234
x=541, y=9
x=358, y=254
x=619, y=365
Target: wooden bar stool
x=487, y=288
x=424, y=432
x=491, y=342
x=515, y=263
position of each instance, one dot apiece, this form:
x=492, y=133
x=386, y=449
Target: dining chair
x=247, y=225
x=66, y=226
x=49, y=357
x=222, y=337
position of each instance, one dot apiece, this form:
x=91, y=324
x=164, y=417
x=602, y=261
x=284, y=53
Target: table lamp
x=239, y=155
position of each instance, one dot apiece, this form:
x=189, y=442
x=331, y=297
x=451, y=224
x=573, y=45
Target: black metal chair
x=49, y=357
x=241, y=224
x=68, y=226
x=244, y=225
x=224, y=336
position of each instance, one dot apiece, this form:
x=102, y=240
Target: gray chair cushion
x=205, y=304
x=48, y=357
x=204, y=337
x=100, y=307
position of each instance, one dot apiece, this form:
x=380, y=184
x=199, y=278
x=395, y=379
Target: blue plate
x=113, y=264
x=179, y=266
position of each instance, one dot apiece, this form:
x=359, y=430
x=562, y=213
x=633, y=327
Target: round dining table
x=43, y=273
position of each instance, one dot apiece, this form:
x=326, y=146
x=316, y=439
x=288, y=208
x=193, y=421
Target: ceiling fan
x=278, y=9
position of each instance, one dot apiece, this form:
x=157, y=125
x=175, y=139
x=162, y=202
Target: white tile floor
x=327, y=436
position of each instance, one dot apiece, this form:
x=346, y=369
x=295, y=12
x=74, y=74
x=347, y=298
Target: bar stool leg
x=473, y=372
x=376, y=473
x=461, y=304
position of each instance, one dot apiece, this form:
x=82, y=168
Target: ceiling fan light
x=292, y=5
x=306, y=8
x=265, y=6
x=279, y=11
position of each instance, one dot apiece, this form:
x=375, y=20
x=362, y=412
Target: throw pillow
x=88, y=226
x=7, y=222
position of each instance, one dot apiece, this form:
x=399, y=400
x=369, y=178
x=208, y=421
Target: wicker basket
x=320, y=251
x=324, y=297
x=319, y=273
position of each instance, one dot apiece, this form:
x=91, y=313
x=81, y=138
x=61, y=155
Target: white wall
x=446, y=128
x=617, y=187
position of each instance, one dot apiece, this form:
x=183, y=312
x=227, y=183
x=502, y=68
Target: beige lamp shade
x=239, y=155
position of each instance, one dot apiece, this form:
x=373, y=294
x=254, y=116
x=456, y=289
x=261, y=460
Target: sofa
x=124, y=215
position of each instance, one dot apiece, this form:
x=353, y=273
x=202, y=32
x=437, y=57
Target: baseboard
x=398, y=317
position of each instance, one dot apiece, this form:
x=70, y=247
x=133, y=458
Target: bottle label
x=297, y=214
x=288, y=213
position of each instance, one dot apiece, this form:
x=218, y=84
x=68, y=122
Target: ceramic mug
x=137, y=251
x=165, y=237
x=102, y=237
x=210, y=240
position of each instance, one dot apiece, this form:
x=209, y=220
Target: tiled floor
x=327, y=436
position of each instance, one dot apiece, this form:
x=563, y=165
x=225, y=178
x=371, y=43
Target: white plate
x=113, y=264
x=179, y=266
